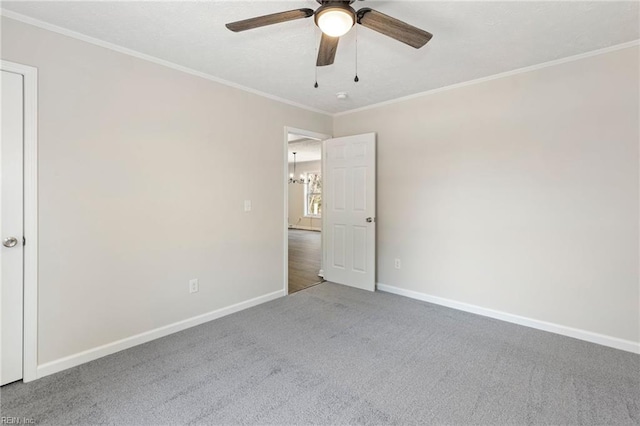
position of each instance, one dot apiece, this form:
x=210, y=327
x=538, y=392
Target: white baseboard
x=600, y=339
x=305, y=228
x=110, y=348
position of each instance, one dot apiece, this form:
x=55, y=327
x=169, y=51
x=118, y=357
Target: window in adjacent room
x=313, y=195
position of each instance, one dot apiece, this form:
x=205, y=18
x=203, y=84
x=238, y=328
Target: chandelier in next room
x=292, y=176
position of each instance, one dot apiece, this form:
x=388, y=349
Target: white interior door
x=349, y=210
x=11, y=227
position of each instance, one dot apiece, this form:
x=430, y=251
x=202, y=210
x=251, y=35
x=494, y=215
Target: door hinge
x=24, y=241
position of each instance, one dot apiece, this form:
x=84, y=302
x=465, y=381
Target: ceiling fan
x=335, y=18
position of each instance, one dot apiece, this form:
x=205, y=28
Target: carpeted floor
x=336, y=355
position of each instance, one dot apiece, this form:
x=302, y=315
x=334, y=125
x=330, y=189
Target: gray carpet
x=335, y=355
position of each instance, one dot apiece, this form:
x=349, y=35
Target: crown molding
x=82, y=37
x=496, y=76
x=79, y=36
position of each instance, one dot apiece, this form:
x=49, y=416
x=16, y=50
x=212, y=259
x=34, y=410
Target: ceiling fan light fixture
x=335, y=21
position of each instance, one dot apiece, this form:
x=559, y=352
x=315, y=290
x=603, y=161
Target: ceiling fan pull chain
x=316, y=66
x=356, y=79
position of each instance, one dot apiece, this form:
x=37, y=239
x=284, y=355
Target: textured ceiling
x=471, y=40
x=306, y=150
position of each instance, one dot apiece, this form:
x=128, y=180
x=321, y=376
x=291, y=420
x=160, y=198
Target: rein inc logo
x=6, y=420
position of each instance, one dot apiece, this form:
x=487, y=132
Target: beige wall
x=518, y=194
x=296, y=197
x=143, y=173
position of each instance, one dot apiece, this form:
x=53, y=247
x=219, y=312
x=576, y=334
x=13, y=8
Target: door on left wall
x=11, y=227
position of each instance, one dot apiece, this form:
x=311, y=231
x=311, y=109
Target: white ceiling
x=305, y=149
x=471, y=40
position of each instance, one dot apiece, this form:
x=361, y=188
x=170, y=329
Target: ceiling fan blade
x=327, y=50
x=394, y=28
x=274, y=18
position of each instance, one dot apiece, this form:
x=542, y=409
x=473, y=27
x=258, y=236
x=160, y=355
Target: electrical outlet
x=398, y=264
x=247, y=205
x=193, y=286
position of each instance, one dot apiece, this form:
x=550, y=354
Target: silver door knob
x=370, y=219
x=10, y=242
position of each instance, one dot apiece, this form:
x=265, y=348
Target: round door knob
x=10, y=242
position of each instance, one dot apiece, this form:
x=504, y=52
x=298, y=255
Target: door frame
x=30, y=194
x=285, y=180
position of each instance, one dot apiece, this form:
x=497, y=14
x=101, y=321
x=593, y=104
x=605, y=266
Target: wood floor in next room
x=305, y=253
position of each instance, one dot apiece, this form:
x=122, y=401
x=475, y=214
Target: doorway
x=303, y=209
